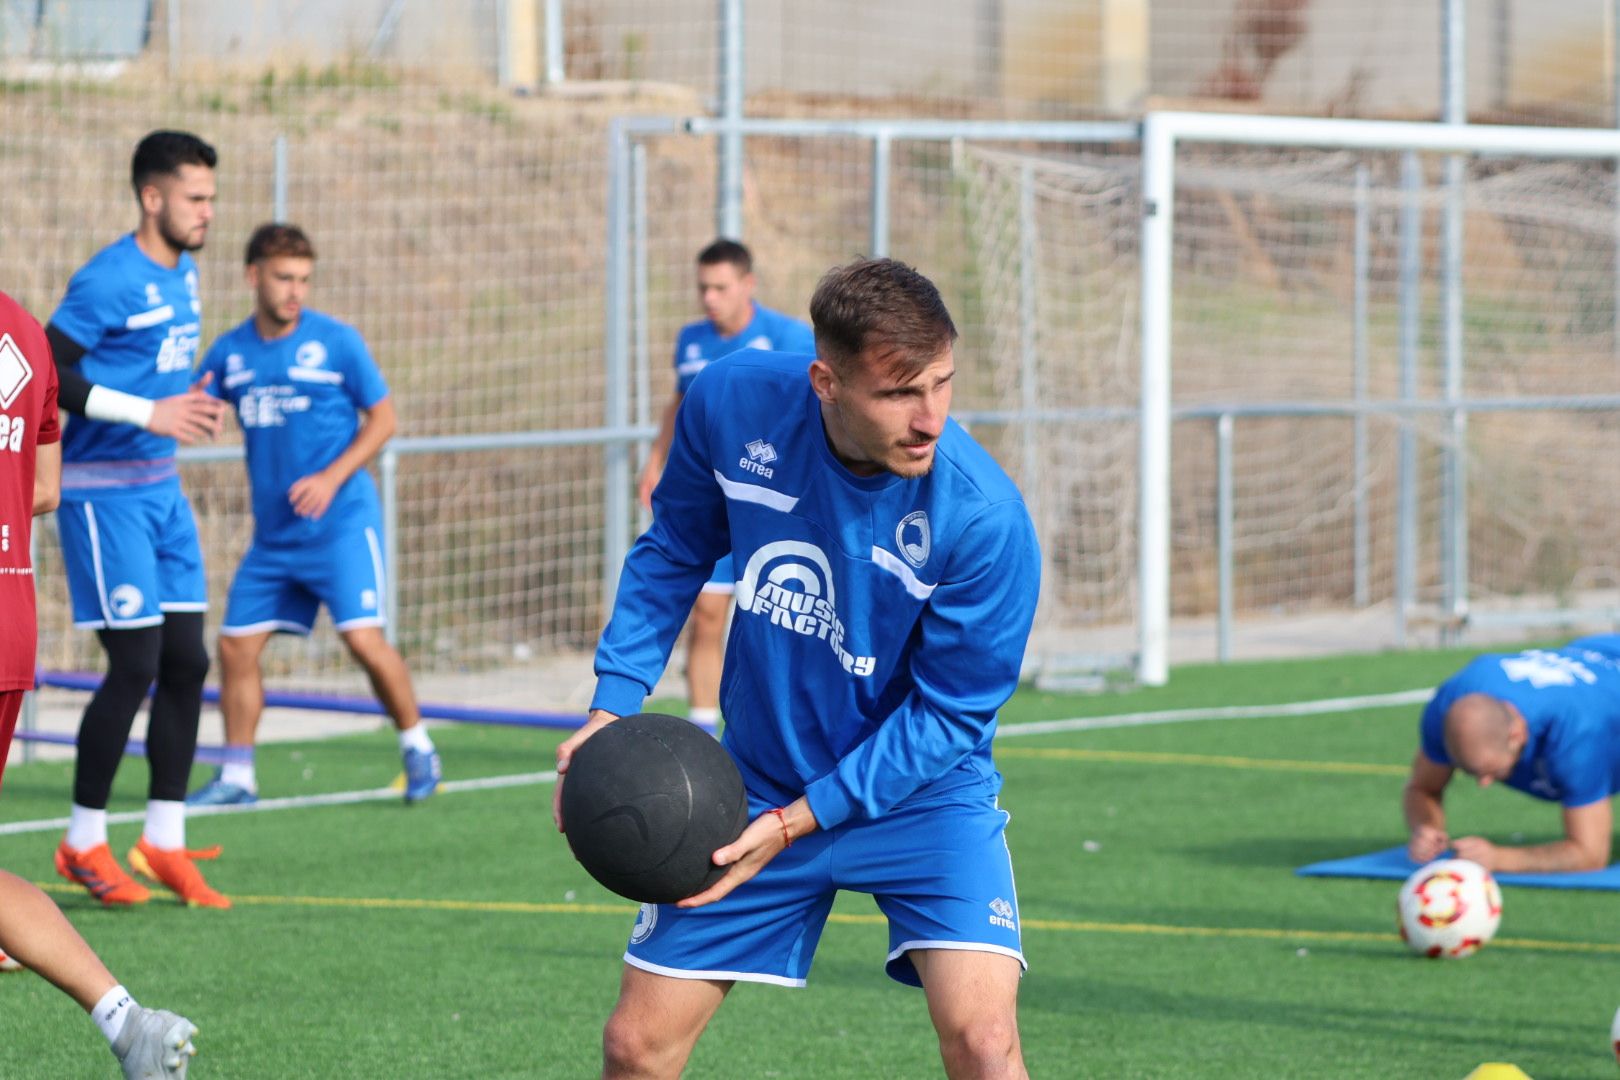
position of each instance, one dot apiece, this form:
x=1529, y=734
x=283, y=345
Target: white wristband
x=104, y=403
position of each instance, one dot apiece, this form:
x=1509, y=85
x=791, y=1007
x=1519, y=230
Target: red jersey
x=27, y=420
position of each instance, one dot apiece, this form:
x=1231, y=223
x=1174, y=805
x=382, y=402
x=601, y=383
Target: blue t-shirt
x=700, y=344
x=1570, y=699
x=880, y=622
x=139, y=323
x=297, y=399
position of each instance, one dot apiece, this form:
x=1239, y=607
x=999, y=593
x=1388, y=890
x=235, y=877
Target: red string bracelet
x=787, y=841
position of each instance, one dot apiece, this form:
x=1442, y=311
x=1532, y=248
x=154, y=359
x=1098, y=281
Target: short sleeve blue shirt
x=700, y=344
x=1570, y=700
x=139, y=323
x=298, y=400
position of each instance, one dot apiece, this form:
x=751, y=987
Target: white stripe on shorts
x=725, y=976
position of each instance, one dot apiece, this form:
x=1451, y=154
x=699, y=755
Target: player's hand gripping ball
x=646, y=802
x=1449, y=909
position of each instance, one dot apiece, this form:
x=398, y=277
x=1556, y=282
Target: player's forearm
x=47, y=478
x=73, y=388
x=1561, y=856
x=372, y=437
x=1422, y=808
x=666, y=432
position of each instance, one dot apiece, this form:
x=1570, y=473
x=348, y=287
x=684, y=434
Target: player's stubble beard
x=178, y=241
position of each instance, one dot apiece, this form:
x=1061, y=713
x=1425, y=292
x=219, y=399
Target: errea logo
x=760, y=455
x=15, y=371
x=1001, y=914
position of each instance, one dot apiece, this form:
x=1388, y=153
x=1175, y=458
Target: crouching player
x=314, y=410
x=887, y=578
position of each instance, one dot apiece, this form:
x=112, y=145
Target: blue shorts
x=722, y=580
x=953, y=889
x=282, y=589
x=131, y=554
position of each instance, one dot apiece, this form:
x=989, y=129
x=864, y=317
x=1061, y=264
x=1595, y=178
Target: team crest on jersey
x=761, y=342
x=646, y=920
x=154, y=295
x=126, y=601
x=15, y=371
x=913, y=537
x=310, y=354
x=790, y=583
x=191, y=287
x=694, y=351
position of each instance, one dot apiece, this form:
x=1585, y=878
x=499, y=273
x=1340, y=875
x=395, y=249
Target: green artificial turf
x=1166, y=932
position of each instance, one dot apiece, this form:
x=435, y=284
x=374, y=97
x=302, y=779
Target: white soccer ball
x=1449, y=909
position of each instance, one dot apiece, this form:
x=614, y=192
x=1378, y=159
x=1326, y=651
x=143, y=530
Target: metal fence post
x=1029, y=388
x=1454, y=449
x=879, y=239
x=556, y=70
x=1223, y=536
x=643, y=349
x=616, y=487
x=1358, y=349
x=729, y=191
x=1406, y=524
x=278, y=195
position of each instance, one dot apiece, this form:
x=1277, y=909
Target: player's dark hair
x=275, y=240
x=879, y=304
x=163, y=152
x=727, y=251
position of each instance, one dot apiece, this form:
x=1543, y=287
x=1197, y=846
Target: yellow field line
x=518, y=907
x=1217, y=761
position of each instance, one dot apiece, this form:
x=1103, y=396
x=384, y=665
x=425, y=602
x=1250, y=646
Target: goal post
x=1166, y=133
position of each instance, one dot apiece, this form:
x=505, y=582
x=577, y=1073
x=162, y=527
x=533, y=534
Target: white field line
x=297, y=802
x=1008, y=731
x=1222, y=712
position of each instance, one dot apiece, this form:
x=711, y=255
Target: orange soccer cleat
x=176, y=870
x=97, y=870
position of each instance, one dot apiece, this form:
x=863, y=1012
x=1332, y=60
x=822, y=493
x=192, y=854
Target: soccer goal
x=1390, y=356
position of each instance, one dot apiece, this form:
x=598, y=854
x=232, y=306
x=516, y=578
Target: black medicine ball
x=646, y=801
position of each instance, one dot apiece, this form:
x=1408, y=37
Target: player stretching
x=301, y=382
x=888, y=573
x=725, y=281
x=125, y=338
x=147, y=1042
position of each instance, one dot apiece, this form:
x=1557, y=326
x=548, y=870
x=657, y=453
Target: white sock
x=112, y=1010
x=706, y=717
x=415, y=738
x=165, y=824
x=87, y=828
x=240, y=773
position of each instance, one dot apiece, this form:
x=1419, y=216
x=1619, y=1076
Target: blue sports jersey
x=880, y=622
x=1570, y=699
x=700, y=344
x=297, y=399
x=139, y=323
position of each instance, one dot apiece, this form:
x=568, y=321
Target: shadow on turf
x=1070, y=995
x=1288, y=852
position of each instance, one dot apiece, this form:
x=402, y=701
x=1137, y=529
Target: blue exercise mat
x=1393, y=865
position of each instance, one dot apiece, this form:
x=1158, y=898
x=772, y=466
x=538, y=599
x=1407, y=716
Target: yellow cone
x=1496, y=1070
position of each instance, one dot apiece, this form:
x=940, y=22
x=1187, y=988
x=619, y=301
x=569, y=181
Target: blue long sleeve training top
x=880, y=621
